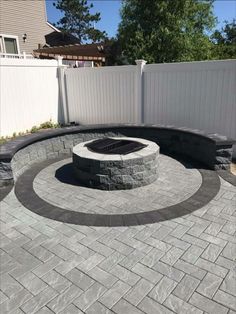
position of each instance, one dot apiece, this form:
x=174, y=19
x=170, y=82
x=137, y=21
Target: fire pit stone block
x=115, y=171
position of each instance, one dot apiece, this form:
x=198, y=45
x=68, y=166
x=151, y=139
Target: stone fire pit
x=116, y=171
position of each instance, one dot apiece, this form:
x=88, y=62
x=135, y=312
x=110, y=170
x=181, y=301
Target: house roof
x=53, y=27
x=57, y=38
x=88, y=52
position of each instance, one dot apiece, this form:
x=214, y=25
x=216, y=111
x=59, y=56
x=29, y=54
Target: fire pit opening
x=114, y=146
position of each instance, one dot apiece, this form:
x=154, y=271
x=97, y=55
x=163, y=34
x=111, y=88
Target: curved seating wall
x=212, y=150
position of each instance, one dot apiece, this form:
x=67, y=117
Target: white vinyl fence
x=198, y=95
x=102, y=95
x=28, y=94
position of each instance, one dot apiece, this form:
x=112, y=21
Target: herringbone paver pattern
x=174, y=185
x=184, y=265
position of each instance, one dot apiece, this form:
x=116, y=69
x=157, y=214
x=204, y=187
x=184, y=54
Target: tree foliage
x=166, y=30
x=114, y=53
x=224, y=41
x=78, y=20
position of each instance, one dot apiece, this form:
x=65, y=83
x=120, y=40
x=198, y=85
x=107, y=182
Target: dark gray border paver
x=28, y=197
x=227, y=176
x=4, y=191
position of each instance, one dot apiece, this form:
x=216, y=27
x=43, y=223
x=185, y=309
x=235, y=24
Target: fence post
x=140, y=101
x=62, y=90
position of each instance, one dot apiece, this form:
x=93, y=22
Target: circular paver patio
x=186, y=263
x=175, y=184
x=49, y=189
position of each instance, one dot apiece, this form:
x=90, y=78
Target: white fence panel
x=29, y=94
x=102, y=95
x=198, y=95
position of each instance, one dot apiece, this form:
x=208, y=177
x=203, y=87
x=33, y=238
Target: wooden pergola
x=75, y=52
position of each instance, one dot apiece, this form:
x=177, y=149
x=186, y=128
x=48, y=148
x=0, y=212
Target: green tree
x=224, y=41
x=78, y=20
x=114, y=53
x=166, y=30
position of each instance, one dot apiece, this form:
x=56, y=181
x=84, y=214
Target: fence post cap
x=140, y=62
x=59, y=60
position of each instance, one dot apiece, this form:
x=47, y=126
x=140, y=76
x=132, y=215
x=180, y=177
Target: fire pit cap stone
x=83, y=151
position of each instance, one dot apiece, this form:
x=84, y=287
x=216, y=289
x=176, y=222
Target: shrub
x=48, y=125
x=45, y=125
x=2, y=140
x=34, y=129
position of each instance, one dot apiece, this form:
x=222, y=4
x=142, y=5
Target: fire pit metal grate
x=114, y=146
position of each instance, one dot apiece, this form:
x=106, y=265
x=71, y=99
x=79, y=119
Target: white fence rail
x=16, y=56
x=28, y=94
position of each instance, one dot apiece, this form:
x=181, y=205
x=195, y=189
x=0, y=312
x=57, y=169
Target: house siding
x=20, y=17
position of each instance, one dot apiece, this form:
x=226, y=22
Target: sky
x=110, y=17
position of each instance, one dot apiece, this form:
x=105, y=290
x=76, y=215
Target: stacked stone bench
x=211, y=150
